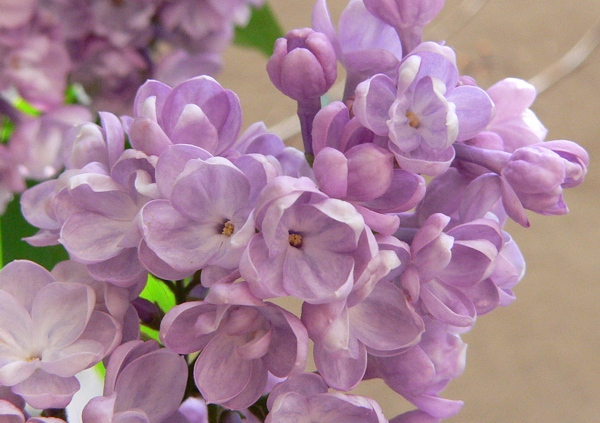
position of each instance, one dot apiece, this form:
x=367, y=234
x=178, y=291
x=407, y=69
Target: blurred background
x=537, y=360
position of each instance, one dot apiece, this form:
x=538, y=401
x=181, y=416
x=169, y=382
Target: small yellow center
x=295, y=240
x=228, y=228
x=413, y=120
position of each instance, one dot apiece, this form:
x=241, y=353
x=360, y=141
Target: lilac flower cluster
x=106, y=47
x=390, y=269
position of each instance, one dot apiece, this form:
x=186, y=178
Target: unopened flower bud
x=303, y=65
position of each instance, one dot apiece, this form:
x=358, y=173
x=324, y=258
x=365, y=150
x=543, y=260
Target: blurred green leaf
x=261, y=32
x=13, y=228
x=7, y=127
x=23, y=106
x=157, y=292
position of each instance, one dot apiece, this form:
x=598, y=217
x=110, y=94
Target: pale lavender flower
x=408, y=17
x=205, y=219
x=305, y=398
x=241, y=340
x=307, y=244
x=363, y=44
x=424, y=112
x=532, y=177
x=420, y=373
x=343, y=332
x=198, y=112
x=351, y=165
x=143, y=383
x=444, y=263
x=111, y=299
x=513, y=120
x=50, y=332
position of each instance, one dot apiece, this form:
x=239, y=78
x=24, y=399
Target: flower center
x=295, y=240
x=413, y=120
x=228, y=228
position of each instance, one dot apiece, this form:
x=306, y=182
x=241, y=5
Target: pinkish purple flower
x=513, y=120
x=532, y=177
x=424, y=112
x=307, y=244
x=423, y=371
x=343, y=333
x=351, y=165
x=204, y=220
x=241, y=340
x=198, y=112
x=444, y=263
x=305, y=398
x=408, y=17
x=143, y=383
x=363, y=44
x=50, y=332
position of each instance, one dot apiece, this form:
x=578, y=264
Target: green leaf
x=150, y=333
x=156, y=291
x=100, y=369
x=261, y=32
x=7, y=127
x=14, y=227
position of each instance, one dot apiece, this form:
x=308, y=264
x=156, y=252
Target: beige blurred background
x=537, y=360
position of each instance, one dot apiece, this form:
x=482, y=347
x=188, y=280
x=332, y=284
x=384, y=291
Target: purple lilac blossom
x=423, y=371
x=407, y=17
x=532, y=177
x=198, y=112
x=127, y=396
x=424, y=112
x=307, y=244
x=241, y=340
x=205, y=220
x=352, y=166
x=343, y=333
x=363, y=44
x=50, y=332
x=305, y=398
x=443, y=264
